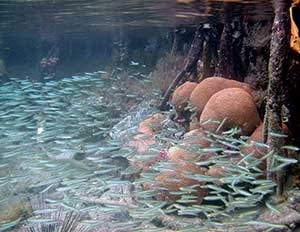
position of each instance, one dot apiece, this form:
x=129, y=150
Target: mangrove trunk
x=277, y=73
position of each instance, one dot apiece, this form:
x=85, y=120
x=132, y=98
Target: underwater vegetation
x=166, y=68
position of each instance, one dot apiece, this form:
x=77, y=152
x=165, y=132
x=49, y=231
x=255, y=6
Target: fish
x=101, y=72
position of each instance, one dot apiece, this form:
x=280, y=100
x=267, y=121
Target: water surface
x=78, y=16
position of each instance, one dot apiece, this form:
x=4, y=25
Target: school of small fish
x=52, y=135
x=54, y=138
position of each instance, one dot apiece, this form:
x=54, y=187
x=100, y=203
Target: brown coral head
x=236, y=106
x=181, y=95
x=209, y=86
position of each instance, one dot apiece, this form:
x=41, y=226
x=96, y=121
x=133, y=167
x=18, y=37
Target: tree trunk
x=277, y=73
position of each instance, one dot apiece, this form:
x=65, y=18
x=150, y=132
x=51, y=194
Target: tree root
x=190, y=64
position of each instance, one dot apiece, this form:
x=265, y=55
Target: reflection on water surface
x=79, y=16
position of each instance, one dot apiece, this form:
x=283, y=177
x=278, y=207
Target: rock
x=259, y=151
x=194, y=123
x=14, y=209
x=141, y=144
x=209, y=86
x=183, y=159
x=182, y=94
x=196, y=136
x=256, y=136
x=145, y=130
x=236, y=106
x=186, y=154
x=151, y=124
x=285, y=215
x=172, y=181
x=215, y=172
x=218, y=172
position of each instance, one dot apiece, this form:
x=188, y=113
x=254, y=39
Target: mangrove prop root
x=225, y=64
x=206, y=57
x=190, y=64
x=277, y=71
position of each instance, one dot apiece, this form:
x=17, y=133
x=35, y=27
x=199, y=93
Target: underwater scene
x=146, y=115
